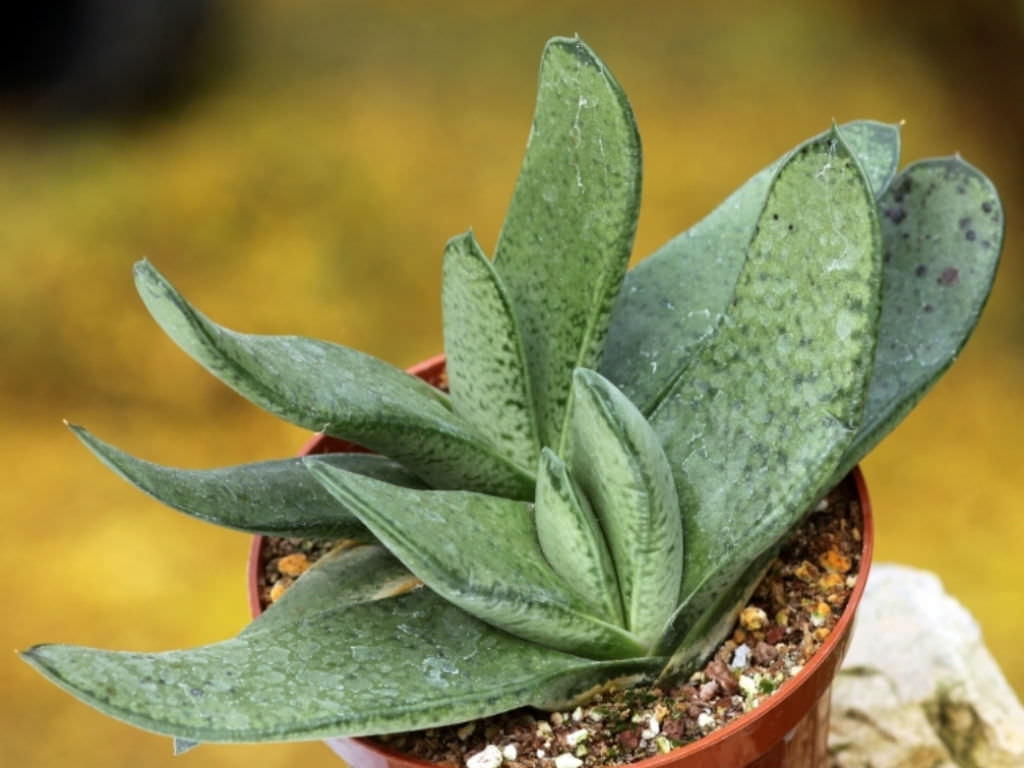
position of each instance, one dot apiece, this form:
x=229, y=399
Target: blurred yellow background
x=308, y=184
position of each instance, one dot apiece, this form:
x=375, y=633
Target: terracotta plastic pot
x=789, y=730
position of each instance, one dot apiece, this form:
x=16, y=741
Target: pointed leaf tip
x=620, y=464
x=328, y=388
x=482, y=554
x=566, y=239
x=488, y=379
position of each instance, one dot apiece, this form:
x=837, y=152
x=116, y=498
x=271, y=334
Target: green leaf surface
x=618, y=461
x=769, y=405
x=572, y=541
x=569, y=230
x=341, y=392
x=277, y=498
x=486, y=364
x=331, y=670
x=481, y=553
x=677, y=296
x=942, y=229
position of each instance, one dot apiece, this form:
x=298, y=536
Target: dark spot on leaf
x=961, y=189
x=897, y=214
x=986, y=244
x=949, y=276
x=196, y=691
x=929, y=308
x=775, y=216
x=987, y=206
x=965, y=222
x=887, y=257
x=790, y=227
x=970, y=234
x=906, y=235
x=921, y=270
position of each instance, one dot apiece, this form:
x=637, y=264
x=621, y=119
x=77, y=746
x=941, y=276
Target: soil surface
x=789, y=616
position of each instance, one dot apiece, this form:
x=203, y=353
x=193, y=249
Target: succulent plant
x=618, y=456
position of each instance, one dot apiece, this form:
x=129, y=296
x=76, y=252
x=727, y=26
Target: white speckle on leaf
x=846, y=321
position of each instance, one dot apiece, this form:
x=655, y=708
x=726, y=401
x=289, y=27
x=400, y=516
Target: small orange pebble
x=739, y=636
x=821, y=633
x=835, y=561
x=279, y=589
x=831, y=580
x=753, y=618
x=293, y=565
x=820, y=613
x=806, y=571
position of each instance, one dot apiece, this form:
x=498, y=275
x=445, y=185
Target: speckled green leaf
x=617, y=460
x=486, y=365
x=572, y=541
x=942, y=229
x=677, y=296
x=396, y=664
x=272, y=497
x=769, y=405
x=481, y=553
x=341, y=392
x=569, y=230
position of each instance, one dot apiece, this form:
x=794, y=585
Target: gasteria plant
x=618, y=457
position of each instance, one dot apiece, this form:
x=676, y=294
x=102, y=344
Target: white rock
x=740, y=657
x=748, y=685
x=576, y=737
x=918, y=687
x=653, y=728
x=705, y=721
x=565, y=760
x=509, y=752
x=489, y=757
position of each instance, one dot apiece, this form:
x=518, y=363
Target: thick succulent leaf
x=572, y=541
x=383, y=666
x=766, y=410
x=486, y=364
x=481, y=553
x=569, y=230
x=677, y=296
x=277, y=498
x=341, y=392
x=942, y=229
x=618, y=461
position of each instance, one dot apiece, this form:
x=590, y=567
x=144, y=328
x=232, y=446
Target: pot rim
x=835, y=642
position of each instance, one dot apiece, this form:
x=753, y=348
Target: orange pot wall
x=789, y=731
